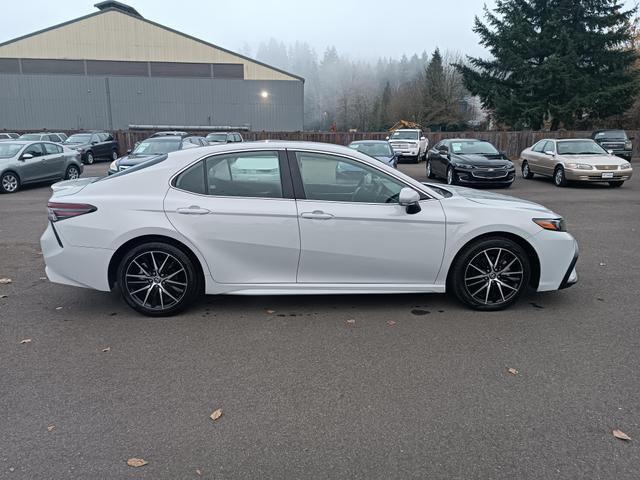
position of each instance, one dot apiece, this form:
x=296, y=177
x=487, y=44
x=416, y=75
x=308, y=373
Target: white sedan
x=296, y=218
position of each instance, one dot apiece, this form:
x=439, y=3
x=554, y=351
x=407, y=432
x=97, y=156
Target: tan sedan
x=581, y=160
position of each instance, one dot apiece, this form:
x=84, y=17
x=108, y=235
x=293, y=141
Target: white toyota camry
x=296, y=218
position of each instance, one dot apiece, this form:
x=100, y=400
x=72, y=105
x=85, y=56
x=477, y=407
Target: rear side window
x=247, y=174
x=51, y=149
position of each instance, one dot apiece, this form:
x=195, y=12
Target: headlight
x=464, y=166
x=625, y=166
x=580, y=166
x=628, y=145
x=113, y=166
x=555, y=224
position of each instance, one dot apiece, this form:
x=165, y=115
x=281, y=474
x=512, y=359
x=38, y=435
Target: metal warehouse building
x=114, y=68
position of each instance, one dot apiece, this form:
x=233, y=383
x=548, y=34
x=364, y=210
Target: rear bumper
x=76, y=266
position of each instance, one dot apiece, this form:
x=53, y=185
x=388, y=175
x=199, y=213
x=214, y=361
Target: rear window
x=140, y=166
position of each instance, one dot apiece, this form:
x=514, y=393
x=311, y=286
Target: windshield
x=580, y=147
x=8, y=150
x=404, y=135
x=373, y=149
x=30, y=136
x=157, y=146
x=612, y=134
x=217, y=137
x=470, y=147
x=79, y=138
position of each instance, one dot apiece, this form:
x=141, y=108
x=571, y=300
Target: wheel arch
x=527, y=247
x=117, y=256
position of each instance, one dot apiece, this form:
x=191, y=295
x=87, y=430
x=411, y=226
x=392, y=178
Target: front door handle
x=193, y=210
x=316, y=215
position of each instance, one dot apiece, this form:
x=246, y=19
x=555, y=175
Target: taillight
x=60, y=211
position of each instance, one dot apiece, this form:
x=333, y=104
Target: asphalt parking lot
x=405, y=386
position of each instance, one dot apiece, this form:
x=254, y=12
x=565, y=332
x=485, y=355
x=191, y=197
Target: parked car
x=63, y=136
x=170, y=133
x=215, y=138
x=272, y=218
x=615, y=141
x=8, y=136
x=44, y=136
x=580, y=160
x=156, y=145
x=24, y=162
x=378, y=149
x=93, y=145
x=409, y=143
x=468, y=161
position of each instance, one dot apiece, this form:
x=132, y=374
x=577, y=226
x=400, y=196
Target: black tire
x=114, y=155
x=616, y=184
x=9, y=182
x=158, y=279
x=504, y=287
x=89, y=158
x=430, y=173
x=526, y=170
x=451, y=177
x=559, y=178
x=72, y=172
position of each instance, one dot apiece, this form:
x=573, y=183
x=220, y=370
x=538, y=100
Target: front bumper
x=557, y=253
x=464, y=176
x=577, y=175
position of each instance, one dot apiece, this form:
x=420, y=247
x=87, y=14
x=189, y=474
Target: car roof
x=465, y=140
x=170, y=133
x=369, y=141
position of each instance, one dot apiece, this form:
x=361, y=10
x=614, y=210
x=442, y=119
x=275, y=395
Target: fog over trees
x=372, y=96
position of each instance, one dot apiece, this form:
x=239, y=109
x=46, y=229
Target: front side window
x=340, y=179
x=539, y=147
x=549, y=147
x=51, y=149
x=36, y=150
x=247, y=174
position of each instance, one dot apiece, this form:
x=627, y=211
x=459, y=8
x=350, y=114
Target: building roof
x=111, y=6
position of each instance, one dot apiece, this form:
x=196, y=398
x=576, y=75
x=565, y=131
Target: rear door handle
x=316, y=215
x=193, y=210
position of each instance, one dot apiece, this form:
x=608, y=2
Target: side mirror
x=229, y=140
x=94, y=143
x=549, y=152
x=610, y=152
x=411, y=199
x=386, y=138
x=26, y=156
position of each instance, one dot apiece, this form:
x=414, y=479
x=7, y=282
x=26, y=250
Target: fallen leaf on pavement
x=136, y=462
x=3, y=296
x=271, y=312
x=26, y=340
x=621, y=435
x=198, y=472
x=512, y=371
x=351, y=321
x=58, y=308
x=105, y=350
x=602, y=264
x=391, y=323
x=216, y=414
x=51, y=428
x=4, y=281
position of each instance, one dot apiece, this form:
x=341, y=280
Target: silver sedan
x=24, y=162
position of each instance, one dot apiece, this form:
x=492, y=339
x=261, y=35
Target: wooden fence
x=512, y=143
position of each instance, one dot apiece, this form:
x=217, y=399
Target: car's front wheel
x=451, y=176
x=430, y=173
x=526, y=171
x=559, y=178
x=158, y=279
x=490, y=274
x=114, y=155
x=9, y=182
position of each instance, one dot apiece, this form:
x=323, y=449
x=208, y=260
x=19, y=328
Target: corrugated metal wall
x=68, y=102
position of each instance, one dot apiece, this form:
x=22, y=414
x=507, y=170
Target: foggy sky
x=360, y=29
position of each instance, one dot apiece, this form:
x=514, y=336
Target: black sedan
x=466, y=161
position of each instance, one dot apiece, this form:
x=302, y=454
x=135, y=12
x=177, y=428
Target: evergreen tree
x=556, y=63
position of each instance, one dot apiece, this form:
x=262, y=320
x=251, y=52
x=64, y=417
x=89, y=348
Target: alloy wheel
x=9, y=182
x=114, y=155
x=72, y=173
x=156, y=280
x=450, y=176
x=525, y=170
x=89, y=158
x=494, y=276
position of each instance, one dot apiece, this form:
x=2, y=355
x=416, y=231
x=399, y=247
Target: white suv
x=409, y=143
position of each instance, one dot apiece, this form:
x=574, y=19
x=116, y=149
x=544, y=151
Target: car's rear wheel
x=72, y=173
x=526, y=171
x=559, y=178
x=9, y=182
x=430, y=173
x=615, y=184
x=88, y=159
x=490, y=274
x=158, y=279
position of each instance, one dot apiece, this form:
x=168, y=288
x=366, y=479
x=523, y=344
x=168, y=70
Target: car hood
x=75, y=145
x=485, y=197
x=592, y=159
x=481, y=160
